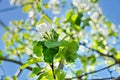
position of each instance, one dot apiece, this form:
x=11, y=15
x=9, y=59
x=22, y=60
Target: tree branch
x=14, y=61
x=109, y=78
x=79, y=77
x=18, y=72
x=103, y=54
x=52, y=67
x=2, y=24
x=2, y=70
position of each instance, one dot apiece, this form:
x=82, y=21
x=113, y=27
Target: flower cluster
x=44, y=28
x=54, y=4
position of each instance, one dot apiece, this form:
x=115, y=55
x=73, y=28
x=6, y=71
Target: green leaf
x=93, y=1
x=78, y=19
x=44, y=16
x=46, y=76
x=14, y=78
x=35, y=71
x=74, y=17
x=38, y=6
x=54, y=35
x=117, y=56
x=7, y=78
x=76, y=27
x=38, y=48
x=27, y=7
x=64, y=43
x=49, y=54
x=79, y=72
x=51, y=44
x=108, y=23
x=46, y=6
x=30, y=61
x=60, y=75
x=1, y=53
x=70, y=51
x=68, y=15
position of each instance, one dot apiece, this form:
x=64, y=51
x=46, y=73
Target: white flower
x=54, y=4
x=81, y=4
x=95, y=16
x=28, y=51
x=43, y=28
x=31, y=14
x=56, y=10
x=90, y=68
x=12, y=2
x=13, y=28
x=76, y=3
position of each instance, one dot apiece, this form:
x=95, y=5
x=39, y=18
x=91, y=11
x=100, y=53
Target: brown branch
x=18, y=72
x=14, y=61
x=118, y=78
x=103, y=54
x=109, y=78
x=2, y=24
x=53, y=72
x=79, y=77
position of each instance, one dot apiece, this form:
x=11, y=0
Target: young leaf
x=60, y=75
x=47, y=18
x=70, y=51
x=46, y=76
x=117, y=56
x=35, y=71
x=27, y=7
x=38, y=48
x=30, y=61
x=1, y=53
x=51, y=44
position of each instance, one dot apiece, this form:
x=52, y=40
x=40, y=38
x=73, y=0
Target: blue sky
x=110, y=9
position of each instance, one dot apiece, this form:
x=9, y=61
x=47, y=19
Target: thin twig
x=52, y=67
x=19, y=72
x=2, y=24
x=3, y=72
x=36, y=63
x=14, y=61
x=103, y=54
x=79, y=77
x=109, y=78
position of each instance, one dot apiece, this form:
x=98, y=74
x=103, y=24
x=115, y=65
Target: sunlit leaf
x=60, y=75
x=30, y=61
x=1, y=53
x=117, y=56
x=108, y=23
x=37, y=50
x=35, y=71
x=70, y=51
x=51, y=44
x=27, y=7
x=14, y=77
x=46, y=76
x=44, y=16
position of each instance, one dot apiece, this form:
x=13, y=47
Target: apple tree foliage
x=63, y=40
